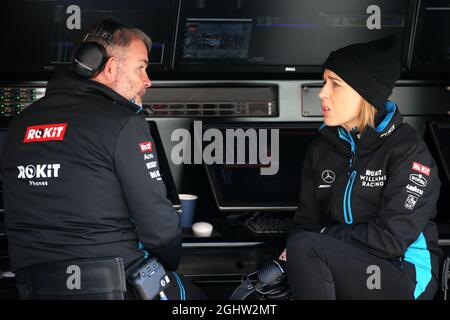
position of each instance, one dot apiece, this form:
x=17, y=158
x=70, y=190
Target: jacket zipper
x=348, y=215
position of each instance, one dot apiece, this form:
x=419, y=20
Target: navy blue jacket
x=378, y=192
x=81, y=180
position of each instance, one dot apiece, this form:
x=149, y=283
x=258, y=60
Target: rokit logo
x=145, y=147
x=45, y=132
x=39, y=171
x=421, y=168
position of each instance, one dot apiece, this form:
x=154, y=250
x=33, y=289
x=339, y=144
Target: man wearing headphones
x=80, y=170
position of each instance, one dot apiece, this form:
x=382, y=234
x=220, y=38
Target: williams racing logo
x=373, y=178
x=39, y=171
x=45, y=132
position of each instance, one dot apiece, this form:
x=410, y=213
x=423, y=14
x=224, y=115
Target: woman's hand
x=283, y=256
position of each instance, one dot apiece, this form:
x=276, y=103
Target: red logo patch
x=145, y=147
x=45, y=132
x=421, y=168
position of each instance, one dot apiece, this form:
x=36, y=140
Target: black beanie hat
x=371, y=68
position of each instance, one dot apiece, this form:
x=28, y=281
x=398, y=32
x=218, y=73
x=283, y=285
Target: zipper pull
x=351, y=162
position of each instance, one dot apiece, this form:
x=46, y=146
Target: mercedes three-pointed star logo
x=328, y=176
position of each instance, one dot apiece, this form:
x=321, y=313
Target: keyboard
x=269, y=225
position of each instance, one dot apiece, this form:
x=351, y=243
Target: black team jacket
x=81, y=180
x=378, y=192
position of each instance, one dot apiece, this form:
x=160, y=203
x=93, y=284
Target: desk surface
x=226, y=231
x=231, y=232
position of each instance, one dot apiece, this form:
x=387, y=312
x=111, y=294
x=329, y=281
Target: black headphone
x=271, y=284
x=90, y=57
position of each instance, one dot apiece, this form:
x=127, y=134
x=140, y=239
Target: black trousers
x=324, y=268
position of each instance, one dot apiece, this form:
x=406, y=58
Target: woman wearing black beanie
x=369, y=189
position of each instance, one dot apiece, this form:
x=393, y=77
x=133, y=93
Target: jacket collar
x=69, y=83
x=387, y=121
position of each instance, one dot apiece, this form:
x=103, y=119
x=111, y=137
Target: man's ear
x=110, y=69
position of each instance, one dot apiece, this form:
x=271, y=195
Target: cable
x=180, y=285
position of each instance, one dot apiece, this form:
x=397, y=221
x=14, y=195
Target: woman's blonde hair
x=366, y=116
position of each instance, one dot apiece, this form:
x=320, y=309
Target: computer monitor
x=437, y=137
x=243, y=187
x=280, y=36
x=431, y=52
x=40, y=35
x=164, y=168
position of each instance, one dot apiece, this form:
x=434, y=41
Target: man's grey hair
x=121, y=40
